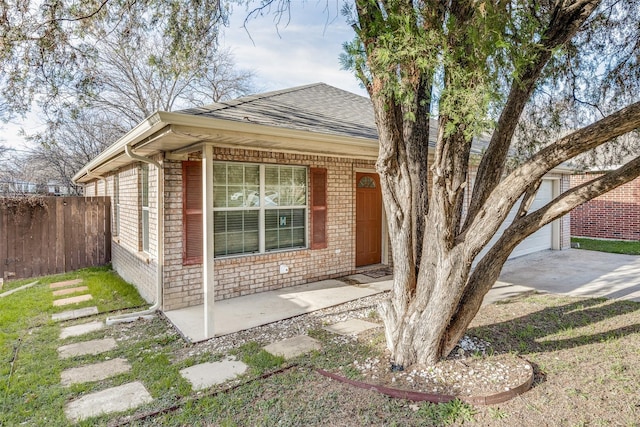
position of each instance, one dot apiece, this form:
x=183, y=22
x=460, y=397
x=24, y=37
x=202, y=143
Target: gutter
x=130, y=317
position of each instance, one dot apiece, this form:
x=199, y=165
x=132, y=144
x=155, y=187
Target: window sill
x=143, y=256
x=260, y=254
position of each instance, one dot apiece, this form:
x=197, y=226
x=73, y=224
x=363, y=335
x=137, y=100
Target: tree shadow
x=559, y=327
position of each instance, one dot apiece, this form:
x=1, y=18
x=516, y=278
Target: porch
x=237, y=314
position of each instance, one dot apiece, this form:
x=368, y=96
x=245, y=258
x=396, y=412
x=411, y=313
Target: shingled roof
x=313, y=119
x=315, y=108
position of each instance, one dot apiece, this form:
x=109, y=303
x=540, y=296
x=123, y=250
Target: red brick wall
x=614, y=215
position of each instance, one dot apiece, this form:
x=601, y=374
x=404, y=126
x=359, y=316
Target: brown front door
x=368, y=219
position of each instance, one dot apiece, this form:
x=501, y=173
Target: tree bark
x=436, y=288
x=488, y=269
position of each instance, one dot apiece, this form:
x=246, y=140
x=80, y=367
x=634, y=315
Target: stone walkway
x=134, y=394
x=114, y=399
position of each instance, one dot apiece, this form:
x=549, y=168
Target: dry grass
x=585, y=352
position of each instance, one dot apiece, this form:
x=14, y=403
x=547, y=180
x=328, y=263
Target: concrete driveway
x=575, y=272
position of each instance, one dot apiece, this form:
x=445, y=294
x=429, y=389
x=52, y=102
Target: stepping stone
x=65, y=283
x=292, y=347
x=74, y=314
x=206, y=375
x=12, y=291
x=115, y=399
x=68, y=291
x=72, y=300
x=95, y=372
x=83, y=348
x=351, y=327
x=81, y=329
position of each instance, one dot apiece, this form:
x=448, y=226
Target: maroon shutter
x=318, y=208
x=191, y=212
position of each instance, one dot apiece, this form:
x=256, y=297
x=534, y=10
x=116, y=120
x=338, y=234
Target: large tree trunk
x=445, y=52
x=428, y=311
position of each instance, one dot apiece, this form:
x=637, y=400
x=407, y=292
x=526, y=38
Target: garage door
x=538, y=241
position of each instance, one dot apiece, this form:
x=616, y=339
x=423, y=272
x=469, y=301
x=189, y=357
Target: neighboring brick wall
x=243, y=275
x=614, y=215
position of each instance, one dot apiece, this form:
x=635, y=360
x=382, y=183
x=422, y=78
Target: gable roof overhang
x=179, y=134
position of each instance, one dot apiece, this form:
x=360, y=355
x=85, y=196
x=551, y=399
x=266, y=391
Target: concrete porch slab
x=74, y=314
x=67, y=291
x=115, y=399
x=66, y=283
x=293, y=347
x=209, y=374
x=94, y=372
x=81, y=329
x=83, y=348
x=237, y=314
x=72, y=300
x=351, y=327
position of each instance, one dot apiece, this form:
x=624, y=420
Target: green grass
x=258, y=360
x=30, y=390
x=612, y=246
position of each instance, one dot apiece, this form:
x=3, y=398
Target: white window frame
x=144, y=220
x=262, y=208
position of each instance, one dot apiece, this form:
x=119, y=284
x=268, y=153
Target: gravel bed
x=468, y=371
x=288, y=328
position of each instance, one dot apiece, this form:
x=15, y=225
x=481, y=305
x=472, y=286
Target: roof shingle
x=316, y=108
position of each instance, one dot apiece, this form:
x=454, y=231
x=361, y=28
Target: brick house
x=614, y=215
x=290, y=179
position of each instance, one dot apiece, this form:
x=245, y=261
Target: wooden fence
x=48, y=235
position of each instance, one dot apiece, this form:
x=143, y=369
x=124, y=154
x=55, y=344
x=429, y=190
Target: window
x=366, y=182
x=145, y=206
x=116, y=202
x=285, y=207
x=258, y=208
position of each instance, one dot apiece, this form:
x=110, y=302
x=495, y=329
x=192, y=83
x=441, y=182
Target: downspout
x=130, y=317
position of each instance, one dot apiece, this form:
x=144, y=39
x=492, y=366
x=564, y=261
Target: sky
x=304, y=51
x=300, y=50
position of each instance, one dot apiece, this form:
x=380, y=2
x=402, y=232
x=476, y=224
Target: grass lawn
x=613, y=246
x=585, y=354
x=30, y=368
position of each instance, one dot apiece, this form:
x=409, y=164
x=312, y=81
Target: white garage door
x=538, y=241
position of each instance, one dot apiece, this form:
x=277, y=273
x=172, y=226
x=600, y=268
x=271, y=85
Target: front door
x=368, y=219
